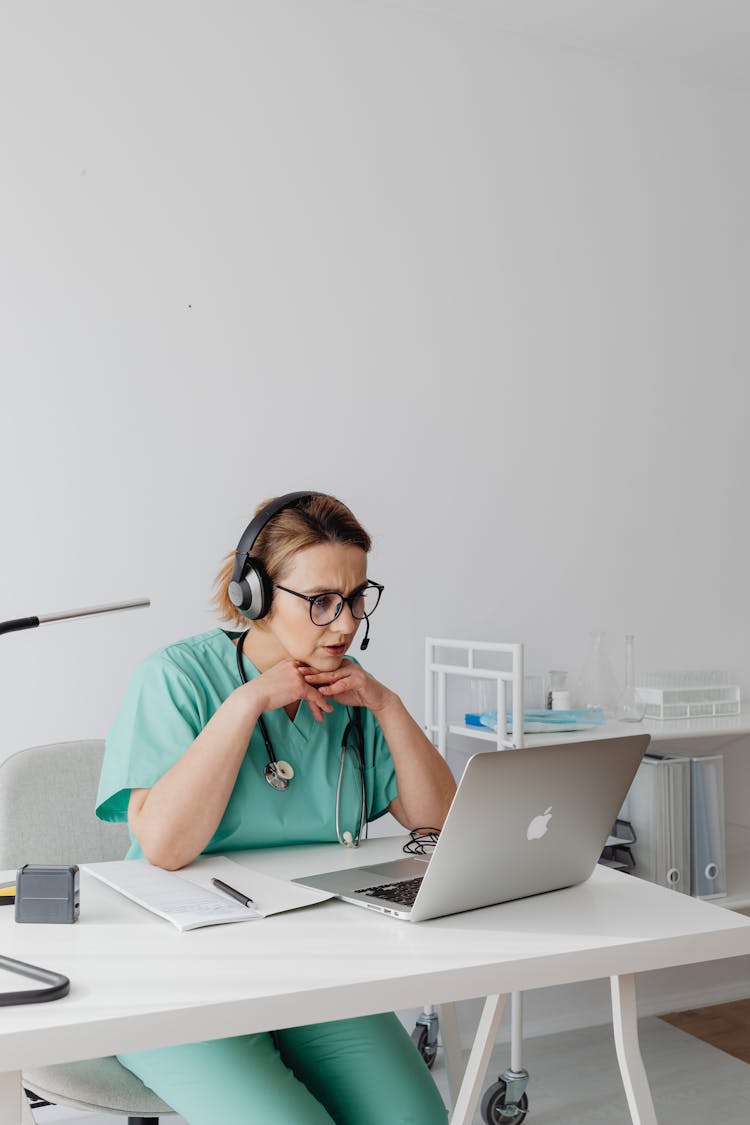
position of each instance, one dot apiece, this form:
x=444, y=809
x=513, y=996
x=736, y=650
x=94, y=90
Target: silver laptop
x=522, y=822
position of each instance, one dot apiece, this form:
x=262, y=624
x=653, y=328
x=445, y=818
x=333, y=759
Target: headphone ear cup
x=254, y=591
x=250, y=589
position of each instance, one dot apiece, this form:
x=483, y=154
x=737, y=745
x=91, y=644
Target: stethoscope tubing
x=346, y=838
x=274, y=778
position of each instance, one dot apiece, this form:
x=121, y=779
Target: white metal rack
x=509, y=735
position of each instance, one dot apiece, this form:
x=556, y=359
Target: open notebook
x=187, y=899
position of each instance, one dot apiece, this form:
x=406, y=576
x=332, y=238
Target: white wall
x=488, y=290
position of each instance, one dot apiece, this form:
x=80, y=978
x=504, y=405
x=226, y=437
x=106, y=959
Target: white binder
x=658, y=807
x=708, y=860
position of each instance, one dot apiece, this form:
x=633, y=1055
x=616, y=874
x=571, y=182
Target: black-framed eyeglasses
x=326, y=607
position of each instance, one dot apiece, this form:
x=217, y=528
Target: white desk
x=136, y=982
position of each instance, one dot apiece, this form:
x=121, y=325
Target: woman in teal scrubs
x=187, y=764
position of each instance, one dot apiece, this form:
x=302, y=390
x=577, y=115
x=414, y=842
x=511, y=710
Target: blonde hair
x=318, y=519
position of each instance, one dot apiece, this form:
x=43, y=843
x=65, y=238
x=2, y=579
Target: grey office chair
x=47, y=798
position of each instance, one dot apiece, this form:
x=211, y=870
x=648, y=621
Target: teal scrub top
x=171, y=697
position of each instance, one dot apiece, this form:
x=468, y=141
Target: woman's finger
x=342, y=675
x=315, y=698
x=337, y=687
x=324, y=677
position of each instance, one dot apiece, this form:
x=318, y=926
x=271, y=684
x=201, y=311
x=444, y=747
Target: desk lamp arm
x=16, y=624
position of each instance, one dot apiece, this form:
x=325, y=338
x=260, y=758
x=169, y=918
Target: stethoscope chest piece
x=279, y=774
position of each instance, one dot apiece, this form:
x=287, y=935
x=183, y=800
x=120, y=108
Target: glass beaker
x=596, y=686
x=630, y=707
x=482, y=696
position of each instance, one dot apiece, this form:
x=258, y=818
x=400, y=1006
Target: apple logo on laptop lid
x=539, y=824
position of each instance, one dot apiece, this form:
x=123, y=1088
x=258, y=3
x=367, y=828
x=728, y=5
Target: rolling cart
x=505, y=1102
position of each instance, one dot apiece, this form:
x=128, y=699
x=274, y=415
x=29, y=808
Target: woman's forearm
x=425, y=782
x=175, y=819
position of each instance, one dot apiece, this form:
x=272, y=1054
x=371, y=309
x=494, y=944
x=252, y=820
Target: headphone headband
x=249, y=586
x=258, y=522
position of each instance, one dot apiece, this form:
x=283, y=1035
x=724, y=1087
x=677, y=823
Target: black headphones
x=250, y=588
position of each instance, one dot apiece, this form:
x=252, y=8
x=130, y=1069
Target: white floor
x=575, y=1081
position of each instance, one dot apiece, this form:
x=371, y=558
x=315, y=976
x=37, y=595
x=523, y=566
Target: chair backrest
x=47, y=799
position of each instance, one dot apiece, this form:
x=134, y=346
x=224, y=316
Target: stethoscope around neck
x=279, y=773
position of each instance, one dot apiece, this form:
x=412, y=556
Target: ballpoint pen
x=232, y=892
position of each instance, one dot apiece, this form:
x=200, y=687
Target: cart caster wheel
x=427, y=1050
x=494, y=1110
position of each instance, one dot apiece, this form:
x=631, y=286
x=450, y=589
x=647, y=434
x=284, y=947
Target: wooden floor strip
x=726, y=1026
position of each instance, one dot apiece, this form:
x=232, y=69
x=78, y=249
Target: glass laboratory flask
x=596, y=686
x=630, y=706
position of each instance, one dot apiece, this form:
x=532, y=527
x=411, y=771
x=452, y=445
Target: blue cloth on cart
x=538, y=721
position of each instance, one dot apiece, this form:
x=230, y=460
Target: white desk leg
x=625, y=1024
x=476, y=1067
x=454, y=1059
x=12, y=1098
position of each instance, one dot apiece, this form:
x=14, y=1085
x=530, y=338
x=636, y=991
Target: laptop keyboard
x=403, y=892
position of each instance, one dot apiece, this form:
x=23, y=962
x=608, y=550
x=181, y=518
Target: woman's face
x=320, y=569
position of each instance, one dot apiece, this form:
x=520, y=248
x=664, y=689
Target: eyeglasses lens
x=366, y=602
x=327, y=607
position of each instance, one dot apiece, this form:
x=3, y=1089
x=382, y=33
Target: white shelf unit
x=468, y=666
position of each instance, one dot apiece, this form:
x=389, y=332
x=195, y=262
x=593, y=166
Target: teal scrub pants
x=363, y=1071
